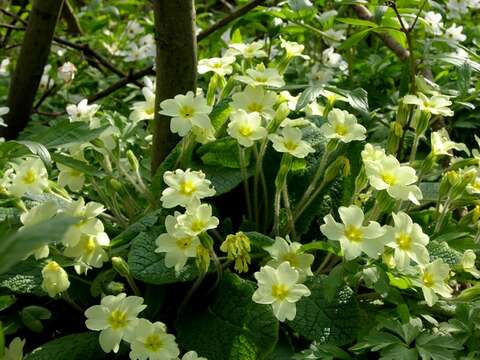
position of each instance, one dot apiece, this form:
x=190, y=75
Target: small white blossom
x=14, y=351
x=3, y=110
x=66, y=72
x=455, y=33
x=55, y=279
x=30, y=176
x=436, y=105
x=290, y=141
x=196, y=220
x=432, y=280
x=353, y=236
x=246, y=128
x=192, y=355
x=83, y=112
x=4, y=64
x=433, y=22
x=468, y=263
x=293, y=49
x=334, y=37
x=334, y=60
x=280, y=288
x=261, y=76
x=442, y=145
x=248, y=51
x=255, y=99
x=343, y=126
x=89, y=252
x=221, y=66
x=144, y=110
x=457, y=8
x=151, y=342
x=133, y=29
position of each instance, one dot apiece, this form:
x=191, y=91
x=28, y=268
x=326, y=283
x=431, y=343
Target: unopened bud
x=132, y=160
x=203, y=258
x=55, y=279
x=120, y=266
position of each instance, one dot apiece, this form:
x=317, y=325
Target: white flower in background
x=285, y=250
x=442, y=145
x=280, y=288
x=261, y=76
x=133, y=29
x=291, y=100
x=3, y=110
x=30, y=176
x=116, y=317
x=476, y=152
x=45, y=81
x=320, y=75
x=248, y=51
x=192, y=355
x=432, y=279
x=255, y=99
x=246, y=128
x=14, y=351
x=293, y=49
x=398, y=180
x=4, y=64
x=55, y=279
x=327, y=15
x=71, y=178
x=186, y=111
x=332, y=97
x=185, y=187
x=37, y=215
x=473, y=4
x=144, y=110
x=290, y=141
x=88, y=224
x=83, y=112
x=151, y=341
x=89, y=252
x=433, y=22
x=468, y=263
x=147, y=40
x=353, y=236
x=178, y=245
x=196, y=220
x=436, y=105
x=66, y=72
x=314, y=109
x=343, y=126
x=334, y=37
x=408, y=241
x=334, y=60
x=137, y=53
x=455, y=33
x=457, y=8
x=221, y=66
x=373, y=153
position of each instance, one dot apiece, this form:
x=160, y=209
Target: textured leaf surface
x=233, y=327
x=441, y=250
x=23, y=278
x=72, y=347
x=148, y=266
x=327, y=321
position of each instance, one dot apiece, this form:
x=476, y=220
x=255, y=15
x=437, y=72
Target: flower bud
x=237, y=248
x=55, y=279
x=120, y=266
x=203, y=258
x=281, y=114
x=116, y=185
x=66, y=72
x=132, y=160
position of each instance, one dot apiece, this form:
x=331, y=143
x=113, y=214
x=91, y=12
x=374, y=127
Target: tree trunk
x=31, y=61
x=176, y=66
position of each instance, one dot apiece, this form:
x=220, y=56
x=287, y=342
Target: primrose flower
x=55, y=279
x=177, y=244
x=14, y=351
x=246, y=128
x=293, y=49
x=89, y=252
x=144, y=110
x=333, y=60
x=353, y=236
x=442, y=145
x=433, y=22
x=455, y=34
x=151, y=341
x=398, y=180
x=408, y=241
x=436, y=105
x=432, y=280
x=88, y=224
x=192, y=355
x=280, y=287
x=290, y=141
x=186, y=111
x=468, y=263
x=373, y=153
x=255, y=99
x=261, y=76
x=3, y=110
x=196, y=220
x=133, y=29
x=221, y=66
x=83, y=112
x=248, y=51
x=285, y=250
x=116, y=317
x=71, y=177
x=30, y=176
x=343, y=126
x=185, y=187
x=474, y=186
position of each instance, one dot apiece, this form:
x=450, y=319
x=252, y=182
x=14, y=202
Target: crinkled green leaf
x=23, y=278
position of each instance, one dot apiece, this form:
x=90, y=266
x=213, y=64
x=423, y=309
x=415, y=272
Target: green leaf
x=233, y=327
x=142, y=224
x=220, y=113
x=358, y=22
x=78, y=347
x=23, y=278
x=222, y=152
x=437, y=347
x=441, y=250
x=78, y=165
x=16, y=148
x=15, y=247
x=223, y=179
x=308, y=96
x=259, y=241
x=148, y=266
x=6, y=301
x=332, y=322
x=354, y=39
x=397, y=352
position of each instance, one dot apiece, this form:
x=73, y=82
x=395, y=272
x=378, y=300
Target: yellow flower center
x=279, y=291
x=291, y=257
x=117, y=319
x=30, y=177
x=52, y=266
x=245, y=130
x=476, y=185
x=389, y=178
x=341, y=129
x=153, y=343
x=404, y=241
x=427, y=280
x=261, y=79
x=252, y=107
x=197, y=225
x=149, y=110
x=217, y=65
x=89, y=245
x=184, y=243
x=353, y=233
x=290, y=145
x=187, y=188
x=187, y=112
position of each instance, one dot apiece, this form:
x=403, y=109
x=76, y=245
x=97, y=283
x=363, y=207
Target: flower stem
x=243, y=169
